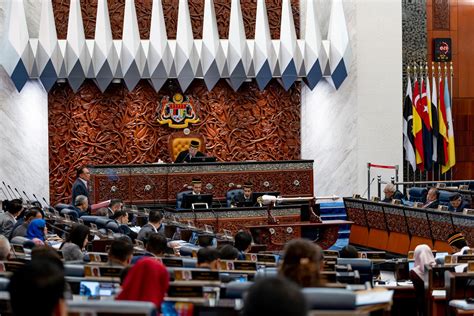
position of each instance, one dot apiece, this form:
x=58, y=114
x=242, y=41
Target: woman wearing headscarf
x=423, y=256
x=36, y=231
x=147, y=281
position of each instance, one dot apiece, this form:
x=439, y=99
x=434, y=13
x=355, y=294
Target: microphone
x=26, y=196
x=4, y=193
x=11, y=189
x=11, y=197
x=371, y=181
x=18, y=194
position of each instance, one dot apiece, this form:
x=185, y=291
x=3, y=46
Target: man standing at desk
x=191, y=152
x=80, y=186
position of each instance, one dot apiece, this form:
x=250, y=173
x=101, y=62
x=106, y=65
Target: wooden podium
x=275, y=236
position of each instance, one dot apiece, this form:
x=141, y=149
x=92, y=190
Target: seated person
x=423, y=256
x=208, y=258
x=274, y=296
x=11, y=209
x=75, y=243
x=42, y=282
x=391, y=193
x=146, y=281
x=197, y=186
x=348, y=252
x=302, y=263
x=242, y=242
x=4, y=248
x=120, y=252
x=154, y=225
x=228, y=252
x=121, y=218
x=458, y=243
x=115, y=205
x=456, y=203
x=81, y=205
x=30, y=215
x=432, y=198
x=192, y=151
x=242, y=200
x=156, y=246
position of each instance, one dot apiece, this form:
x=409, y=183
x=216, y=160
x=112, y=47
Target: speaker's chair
x=179, y=141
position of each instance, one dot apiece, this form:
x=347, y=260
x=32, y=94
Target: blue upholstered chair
x=229, y=196
x=102, y=222
x=74, y=270
x=112, y=307
x=113, y=226
x=418, y=194
x=237, y=289
x=60, y=206
x=266, y=273
x=364, y=266
x=179, y=198
x=444, y=197
x=70, y=212
x=88, y=219
x=329, y=299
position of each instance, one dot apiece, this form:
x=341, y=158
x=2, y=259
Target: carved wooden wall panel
x=119, y=127
x=170, y=10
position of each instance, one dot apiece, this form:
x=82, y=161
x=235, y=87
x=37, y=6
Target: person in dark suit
x=154, y=225
x=115, y=205
x=456, y=203
x=242, y=200
x=192, y=151
x=391, y=193
x=121, y=218
x=432, y=199
x=81, y=185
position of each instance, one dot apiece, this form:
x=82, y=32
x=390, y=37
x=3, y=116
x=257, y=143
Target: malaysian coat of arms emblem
x=178, y=113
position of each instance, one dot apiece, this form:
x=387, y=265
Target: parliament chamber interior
x=236, y=157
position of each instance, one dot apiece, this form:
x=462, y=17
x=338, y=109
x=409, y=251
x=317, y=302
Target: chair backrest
x=88, y=219
x=102, y=222
x=70, y=212
x=364, y=266
x=113, y=226
x=111, y=307
x=444, y=197
x=60, y=206
x=236, y=289
x=179, y=141
x=229, y=196
x=179, y=198
x=4, y=284
x=418, y=194
x=269, y=272
x=329, y=299
x=74, y=270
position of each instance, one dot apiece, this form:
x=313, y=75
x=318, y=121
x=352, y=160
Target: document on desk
x=461, y=304
x=439, y=293
x=373, y=297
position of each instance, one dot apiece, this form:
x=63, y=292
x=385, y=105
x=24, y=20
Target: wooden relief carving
x=170, y=11
x=441, y=11
x=119, y=127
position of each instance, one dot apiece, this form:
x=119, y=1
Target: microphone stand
x=11, y=197
x=27, y=197
x=13, y=193
x=19, y=194
x=270, y=218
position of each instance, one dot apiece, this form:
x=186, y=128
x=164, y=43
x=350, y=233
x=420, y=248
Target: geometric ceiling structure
x=157, y=59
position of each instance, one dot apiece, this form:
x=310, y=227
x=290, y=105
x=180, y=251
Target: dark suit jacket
x=79, y=188
x=434, y=204
x=185, y=157
x=240, y=201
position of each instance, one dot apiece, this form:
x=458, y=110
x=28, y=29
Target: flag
x=451, y=161
x=443, y=126
x=408, y=138
x=418, y=126
x=426, y=127
x=434, y=120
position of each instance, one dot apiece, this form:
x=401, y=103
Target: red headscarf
x=147, y=281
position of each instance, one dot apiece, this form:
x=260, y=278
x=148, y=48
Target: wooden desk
x=159, y=183
x=275, y=236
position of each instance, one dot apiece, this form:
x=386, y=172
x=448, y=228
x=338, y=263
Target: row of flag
x=428, y=135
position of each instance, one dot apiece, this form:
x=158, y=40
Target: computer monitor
x=203, y=159
x=256, y=195
x=190, y=199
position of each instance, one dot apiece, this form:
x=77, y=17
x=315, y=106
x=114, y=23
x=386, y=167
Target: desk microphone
x=368, y=186
x=13, y=193
x=21, y=198
x=26, y=196
x=11, y=197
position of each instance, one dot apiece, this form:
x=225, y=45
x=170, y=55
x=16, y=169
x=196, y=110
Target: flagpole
x=436, y=79
x=406, y=153
x=440, y=77
x=451, y=69
x=425, y=175
x=415, y=74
